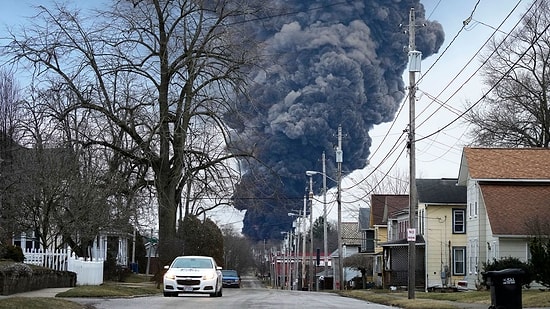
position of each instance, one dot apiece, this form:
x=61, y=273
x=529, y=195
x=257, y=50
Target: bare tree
x=362, y=262
x=9, y=117
x=56, y=189
x=148, y=70
x=9, y=101
x=237, y=252
x=378, y=182
x=516, y=112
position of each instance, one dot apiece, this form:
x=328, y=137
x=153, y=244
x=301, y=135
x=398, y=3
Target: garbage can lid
x=505, y=272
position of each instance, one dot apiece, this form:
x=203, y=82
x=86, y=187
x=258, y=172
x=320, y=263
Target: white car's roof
x=193, y=261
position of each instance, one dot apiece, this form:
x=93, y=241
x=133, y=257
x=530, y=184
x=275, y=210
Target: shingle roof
x=440, y=191
x=506, y=163
x=514, y=208
x=383, y=205
x=350, y=233
x=420, y=241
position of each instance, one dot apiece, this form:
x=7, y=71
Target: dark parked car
x=231, y=278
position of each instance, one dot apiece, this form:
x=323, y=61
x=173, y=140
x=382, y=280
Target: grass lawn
x=530, y=298
x=38, y=302
x=135, y=285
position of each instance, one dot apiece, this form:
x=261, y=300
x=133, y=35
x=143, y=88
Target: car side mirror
x=166, y=266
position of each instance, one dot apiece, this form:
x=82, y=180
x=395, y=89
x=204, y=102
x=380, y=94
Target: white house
x=508, y=194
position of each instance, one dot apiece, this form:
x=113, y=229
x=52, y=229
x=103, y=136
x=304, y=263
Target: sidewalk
x=50, y=292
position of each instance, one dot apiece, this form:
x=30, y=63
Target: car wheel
x=215, y=294
x=220, y=293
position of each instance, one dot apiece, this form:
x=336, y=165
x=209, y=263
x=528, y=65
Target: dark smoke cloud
x=328, y=63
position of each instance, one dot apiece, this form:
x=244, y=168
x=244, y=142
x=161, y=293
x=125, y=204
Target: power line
x=511, y=68
x=466, y=65
x=420, y=79
x=435, y=99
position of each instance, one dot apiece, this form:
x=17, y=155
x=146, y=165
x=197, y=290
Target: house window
x=459, y=261
x=368, y=245
x=459, y=224
x=402, y=231
x=421, y=221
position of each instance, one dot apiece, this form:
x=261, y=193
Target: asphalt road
x=252, y=295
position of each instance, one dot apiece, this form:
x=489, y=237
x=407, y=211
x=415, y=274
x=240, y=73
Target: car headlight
x=209, y=276
x=169, y=276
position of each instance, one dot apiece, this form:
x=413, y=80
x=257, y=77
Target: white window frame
x=456, y=211
x=459, y=256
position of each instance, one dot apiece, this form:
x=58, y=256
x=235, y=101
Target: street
x=251, y=295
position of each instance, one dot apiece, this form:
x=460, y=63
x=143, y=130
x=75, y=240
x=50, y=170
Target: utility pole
x=339, y=159
x=414, y=66
x=297, y=251
x=304, y=245
x=311, y=270
x=283, y=283
x=325, y=246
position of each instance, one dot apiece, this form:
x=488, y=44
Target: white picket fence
x=88, y=272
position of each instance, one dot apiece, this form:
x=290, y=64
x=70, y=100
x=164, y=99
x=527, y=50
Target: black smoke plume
x=329, y=63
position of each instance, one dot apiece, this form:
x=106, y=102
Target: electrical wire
x=402, y=105
x=499, y=80
x=465, y=66
x=435, y=99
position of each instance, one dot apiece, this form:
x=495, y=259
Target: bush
x=539, y=248
x=11, y=252
x=16, y=270
x=505, y=263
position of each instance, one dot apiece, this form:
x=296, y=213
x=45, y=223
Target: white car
x=193, y=274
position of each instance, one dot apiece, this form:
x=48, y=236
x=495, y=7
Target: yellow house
x=442, y=223
x=382, y=207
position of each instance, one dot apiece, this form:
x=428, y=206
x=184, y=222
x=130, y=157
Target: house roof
x=440, y=191
x=383, y=205
x=504, y=163
x=350, y=233
x=404, y=242
x=513, y=208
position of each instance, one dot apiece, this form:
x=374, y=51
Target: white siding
x=478, y=230
x=514, y=247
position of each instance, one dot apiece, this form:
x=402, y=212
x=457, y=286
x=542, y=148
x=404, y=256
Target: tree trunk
x=167, y=210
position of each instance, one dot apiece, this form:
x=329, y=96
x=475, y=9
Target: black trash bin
x=505, y=288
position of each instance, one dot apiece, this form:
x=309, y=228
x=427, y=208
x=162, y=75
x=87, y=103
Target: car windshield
x=192, y=263
x=229, y=273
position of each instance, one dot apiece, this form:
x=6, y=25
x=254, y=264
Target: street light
x=286, y=246
x=311, y=273
x=339, y=159
x=325, y=246
x=297, y=240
